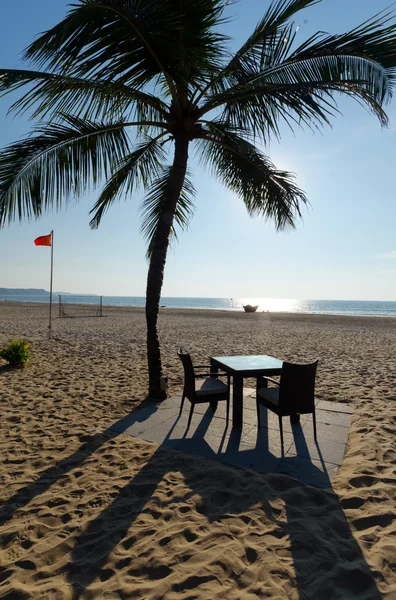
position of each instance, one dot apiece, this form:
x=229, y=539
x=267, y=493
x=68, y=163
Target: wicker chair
x=209, y=389
x=294, y=395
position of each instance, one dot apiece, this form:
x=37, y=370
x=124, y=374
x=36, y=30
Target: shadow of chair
x=119, y=522
x=94, y=545
x=294, y=395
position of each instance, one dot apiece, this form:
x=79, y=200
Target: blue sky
x=345, y=247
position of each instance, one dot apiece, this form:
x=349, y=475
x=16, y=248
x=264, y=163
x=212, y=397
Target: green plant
x=17, y=353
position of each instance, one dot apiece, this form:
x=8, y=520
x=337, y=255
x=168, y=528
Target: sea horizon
x=305, y=306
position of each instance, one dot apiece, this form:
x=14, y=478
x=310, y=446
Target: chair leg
x=228, y=408
x=191, y=414
x=281, y=432
x=182, y=403
x=314, y=424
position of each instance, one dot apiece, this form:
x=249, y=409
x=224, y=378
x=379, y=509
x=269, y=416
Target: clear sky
x=345, y=247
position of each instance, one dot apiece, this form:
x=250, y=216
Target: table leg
x=261, y=383
x=263, y=431
x=237, y=402
x=294, y=419
x=213, y=369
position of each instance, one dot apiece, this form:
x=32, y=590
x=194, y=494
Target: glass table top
x=249, y=363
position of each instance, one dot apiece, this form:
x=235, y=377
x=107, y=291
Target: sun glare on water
x=270, y=304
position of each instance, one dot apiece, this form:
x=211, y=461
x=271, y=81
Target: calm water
x=340, y=307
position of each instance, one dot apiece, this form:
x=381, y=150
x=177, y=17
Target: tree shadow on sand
x=326, y=557
x=50, y=476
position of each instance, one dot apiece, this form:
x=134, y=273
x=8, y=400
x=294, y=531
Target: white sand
x=90, y=514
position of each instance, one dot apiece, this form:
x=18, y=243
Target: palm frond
x=198, y=46
x=90, y=99
x=152, y=208
x=106, y=39
x=60, y=162
x=140, y=167
x=134, y=41
x=311, y=104
x=300, y=85
x=273, y=30
x=242, y=168
x=373, y=40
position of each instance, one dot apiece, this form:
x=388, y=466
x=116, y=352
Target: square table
x=240, y=367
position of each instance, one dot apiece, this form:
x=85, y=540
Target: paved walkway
x=253, y=448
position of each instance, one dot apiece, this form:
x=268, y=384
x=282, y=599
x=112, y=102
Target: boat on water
x=249, y=308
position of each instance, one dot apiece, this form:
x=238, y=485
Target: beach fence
x=80, y=306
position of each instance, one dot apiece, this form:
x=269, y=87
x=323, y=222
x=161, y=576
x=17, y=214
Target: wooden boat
x=249, y=308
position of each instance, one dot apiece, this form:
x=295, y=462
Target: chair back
x=297, y=388
x=189, y=378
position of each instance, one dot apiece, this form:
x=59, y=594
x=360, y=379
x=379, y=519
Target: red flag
x=43, y=240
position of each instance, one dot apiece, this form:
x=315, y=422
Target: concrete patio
x=312, y=462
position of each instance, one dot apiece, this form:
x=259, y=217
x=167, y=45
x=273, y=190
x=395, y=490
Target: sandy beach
x=88, y=513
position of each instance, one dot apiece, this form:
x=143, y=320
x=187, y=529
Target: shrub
x=17, y=353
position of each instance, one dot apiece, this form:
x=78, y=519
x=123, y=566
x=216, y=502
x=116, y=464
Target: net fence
x=80, y=306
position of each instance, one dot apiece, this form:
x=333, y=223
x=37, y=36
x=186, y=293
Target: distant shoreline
x=234, y=312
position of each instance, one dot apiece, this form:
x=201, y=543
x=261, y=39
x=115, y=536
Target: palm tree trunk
x=157, y=265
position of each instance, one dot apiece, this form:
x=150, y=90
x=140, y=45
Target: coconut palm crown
x=123, y=89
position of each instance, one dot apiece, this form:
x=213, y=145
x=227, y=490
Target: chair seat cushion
x=209, y=386
x=270, y=395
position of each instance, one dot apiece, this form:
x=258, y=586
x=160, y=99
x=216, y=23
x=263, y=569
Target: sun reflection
x=269, y=304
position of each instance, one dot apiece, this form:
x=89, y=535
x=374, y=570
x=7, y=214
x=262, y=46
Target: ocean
x=335, y=307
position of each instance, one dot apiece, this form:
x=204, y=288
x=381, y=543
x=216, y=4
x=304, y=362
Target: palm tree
x=121, y=85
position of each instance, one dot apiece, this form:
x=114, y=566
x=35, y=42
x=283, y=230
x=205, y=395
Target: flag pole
x=51, y=278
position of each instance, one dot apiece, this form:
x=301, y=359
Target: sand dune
x=87, y=513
